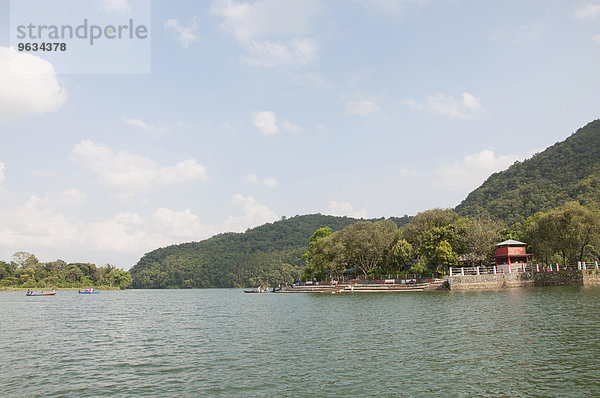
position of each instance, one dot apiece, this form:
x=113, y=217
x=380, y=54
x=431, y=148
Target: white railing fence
x=510, y=268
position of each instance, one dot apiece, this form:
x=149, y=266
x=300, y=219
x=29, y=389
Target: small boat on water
x=264, y=290
x=42, y=293
x=259, y=289
x=89, y=290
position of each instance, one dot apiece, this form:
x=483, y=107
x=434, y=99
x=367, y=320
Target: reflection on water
x=516, y=342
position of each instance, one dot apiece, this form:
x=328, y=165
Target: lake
x=219, y=342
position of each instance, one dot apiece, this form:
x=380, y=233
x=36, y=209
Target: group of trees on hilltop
x=26, y=271
x=431, y=240
x=435, y=239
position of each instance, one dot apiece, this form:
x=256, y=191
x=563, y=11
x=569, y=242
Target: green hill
x=265, y=255
x=568, y=170
x=271, y=253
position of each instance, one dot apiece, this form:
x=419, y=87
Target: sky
x=242, y=112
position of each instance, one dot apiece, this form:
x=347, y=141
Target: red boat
x=42, y=293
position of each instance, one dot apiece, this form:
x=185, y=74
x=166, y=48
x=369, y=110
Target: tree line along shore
x=25, y=271
x=426, y=244
x=437, y=239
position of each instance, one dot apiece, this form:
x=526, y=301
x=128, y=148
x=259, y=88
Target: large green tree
x=414, y=231
x=568, y=230
x=399, y=254
x=443, y=255
x=326, y=257
x=426, y=232
x=366, y=242
x=479, y=236
x=119, y=278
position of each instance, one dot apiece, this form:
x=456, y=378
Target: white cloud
x=270, y=182
x=185, y=34
x=473, y=169
x=269, y=54
x=183, y=224
x=408, y=173
x=596, y=38
x=126, y=232
x=118, y=6
x=267, y=181
x=154, y=131
x=291, y=127
x=31, y=224
x=29, y=85
x=251, y=24
x=345, y=209
x=589, y=11
x=251, y=178
x=2, y=167
x=250, y=21
x=266, y=122
x=35, y=225
x=361, y=107
x=471, y=102
x=253, y=214
x=465, y=108
x=129, y=173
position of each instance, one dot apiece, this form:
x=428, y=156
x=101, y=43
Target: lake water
x=519, y=342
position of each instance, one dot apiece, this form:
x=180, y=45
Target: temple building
x=511, y=252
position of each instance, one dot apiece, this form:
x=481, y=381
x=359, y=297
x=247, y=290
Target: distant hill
x=568, y=170
x=265, y=255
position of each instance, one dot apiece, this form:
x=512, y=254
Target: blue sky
x=254, y=110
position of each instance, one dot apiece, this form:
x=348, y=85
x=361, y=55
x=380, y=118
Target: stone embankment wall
x=591, y=278
x=524, y=279
x=559, y=278
x=489, y=281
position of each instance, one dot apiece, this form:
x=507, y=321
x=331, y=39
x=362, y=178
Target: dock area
x=386, y=286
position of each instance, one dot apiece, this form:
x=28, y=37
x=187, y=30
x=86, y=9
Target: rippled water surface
x=519, y=342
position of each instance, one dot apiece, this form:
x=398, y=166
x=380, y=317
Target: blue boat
x=89, y=291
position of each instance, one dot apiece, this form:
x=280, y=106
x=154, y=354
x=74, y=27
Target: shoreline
x=24, y=289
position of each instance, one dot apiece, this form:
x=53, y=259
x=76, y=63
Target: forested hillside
x=271, y=253
x=268, y=254
x=566, y=171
